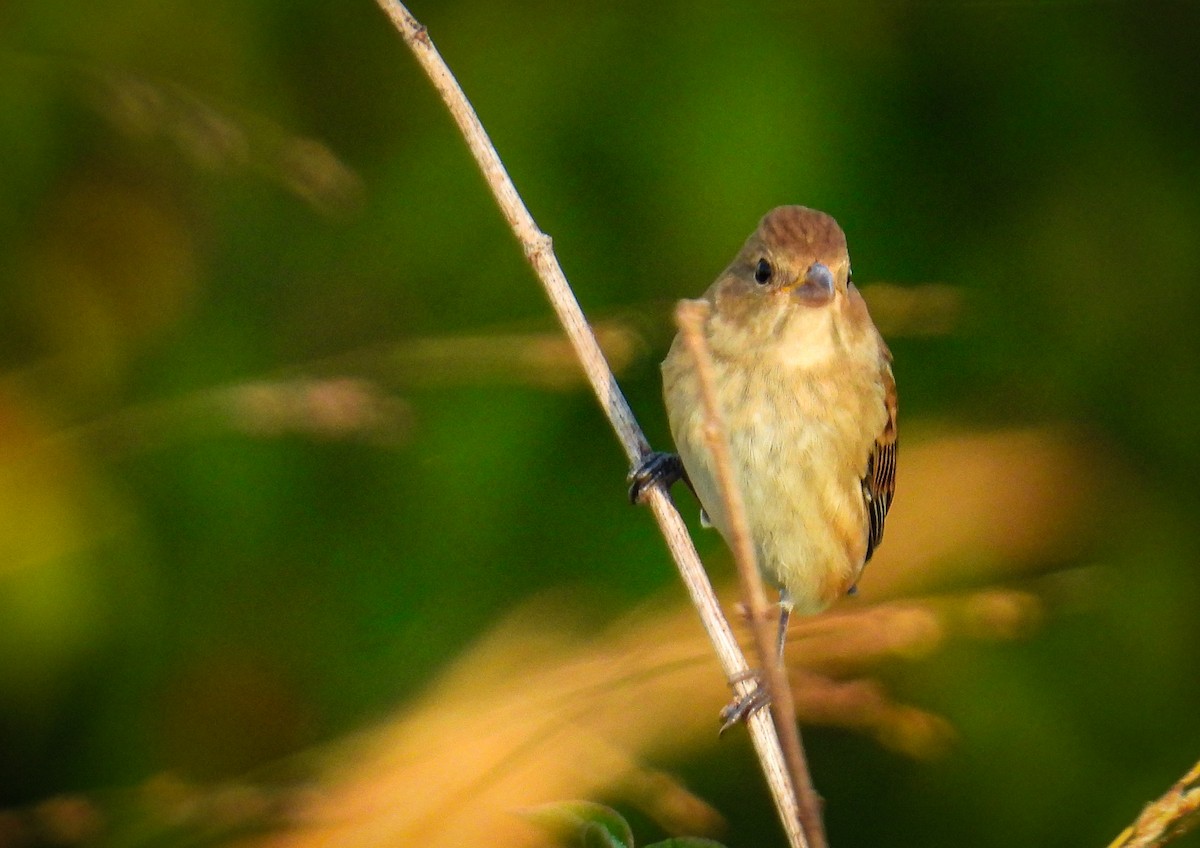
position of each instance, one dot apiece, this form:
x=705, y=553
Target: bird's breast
x=800, y=430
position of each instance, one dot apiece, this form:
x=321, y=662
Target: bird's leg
x=742, y=707
x=658, y=467
x=786, y=605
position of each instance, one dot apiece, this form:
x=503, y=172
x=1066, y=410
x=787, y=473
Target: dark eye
x=763, y=271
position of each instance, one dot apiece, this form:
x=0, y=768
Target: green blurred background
x=204, y=201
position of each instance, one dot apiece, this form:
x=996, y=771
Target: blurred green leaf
x=584, y=823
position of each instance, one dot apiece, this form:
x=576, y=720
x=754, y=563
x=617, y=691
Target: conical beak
x=816, y=286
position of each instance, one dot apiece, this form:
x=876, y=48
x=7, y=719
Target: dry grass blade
x=690, y=316
x=500, y=357
x=216, y=138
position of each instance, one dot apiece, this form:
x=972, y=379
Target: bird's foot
x=658, y=467
x=743, y=706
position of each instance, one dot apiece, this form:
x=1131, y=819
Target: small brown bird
x=805, y=383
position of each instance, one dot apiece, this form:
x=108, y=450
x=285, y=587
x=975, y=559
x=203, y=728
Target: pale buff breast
x=802, y=420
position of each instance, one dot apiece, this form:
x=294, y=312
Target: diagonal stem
x=538, y=250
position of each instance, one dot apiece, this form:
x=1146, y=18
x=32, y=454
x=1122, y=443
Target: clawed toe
x=658, y=467
x=742, y=707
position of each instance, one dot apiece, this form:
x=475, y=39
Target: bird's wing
x=880, y=483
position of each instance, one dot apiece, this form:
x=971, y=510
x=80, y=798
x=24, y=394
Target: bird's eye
x=763, y=271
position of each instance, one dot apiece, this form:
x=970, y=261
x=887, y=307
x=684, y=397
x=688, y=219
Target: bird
x=804, y=380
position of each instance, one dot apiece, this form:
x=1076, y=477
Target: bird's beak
x=815, y=288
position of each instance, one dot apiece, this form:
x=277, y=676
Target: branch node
x=538, y=246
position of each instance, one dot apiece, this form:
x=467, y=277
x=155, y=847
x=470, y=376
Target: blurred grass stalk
x=532, y=714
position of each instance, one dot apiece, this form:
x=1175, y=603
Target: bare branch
x=537, y=248
x=1171, y=816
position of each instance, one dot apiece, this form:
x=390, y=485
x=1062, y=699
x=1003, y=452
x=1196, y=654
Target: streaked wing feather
x=879, y=485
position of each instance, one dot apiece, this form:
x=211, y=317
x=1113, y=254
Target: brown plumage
x=805, y=383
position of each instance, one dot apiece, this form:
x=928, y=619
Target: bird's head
x=794, y=269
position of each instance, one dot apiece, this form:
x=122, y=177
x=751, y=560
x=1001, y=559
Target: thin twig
x=537, y=247
x=1168, y=818
x=691, y=316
